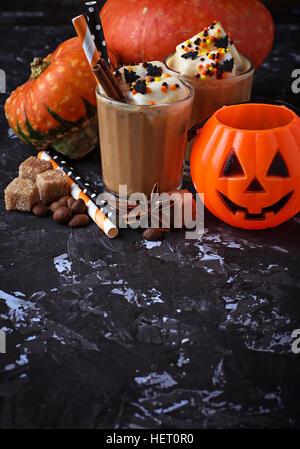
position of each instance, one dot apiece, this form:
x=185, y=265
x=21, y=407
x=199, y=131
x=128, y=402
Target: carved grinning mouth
x=275, y=208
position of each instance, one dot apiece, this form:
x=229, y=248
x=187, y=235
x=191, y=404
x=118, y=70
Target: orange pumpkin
x=144, y=30
x=246, y=161
x=57, y=105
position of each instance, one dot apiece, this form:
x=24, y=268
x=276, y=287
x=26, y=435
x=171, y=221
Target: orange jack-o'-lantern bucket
x=246, y=161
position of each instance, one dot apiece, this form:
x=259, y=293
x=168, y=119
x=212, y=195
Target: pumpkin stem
x=37, y=66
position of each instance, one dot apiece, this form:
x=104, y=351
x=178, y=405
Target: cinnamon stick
x=103, y=80
x=107, y=80
x=111, y=76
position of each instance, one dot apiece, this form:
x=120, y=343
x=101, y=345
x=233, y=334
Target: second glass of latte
x=219, y=74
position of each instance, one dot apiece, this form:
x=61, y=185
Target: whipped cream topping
x=209, y=54
x=150, y=83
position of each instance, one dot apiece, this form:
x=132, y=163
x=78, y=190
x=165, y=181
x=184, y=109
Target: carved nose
x=254, y=186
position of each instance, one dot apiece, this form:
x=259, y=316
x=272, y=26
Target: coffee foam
x=161, y=88
x=204, y=44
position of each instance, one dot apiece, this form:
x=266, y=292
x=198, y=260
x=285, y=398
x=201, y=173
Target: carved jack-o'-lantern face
x=254, y=206
x=248, y=165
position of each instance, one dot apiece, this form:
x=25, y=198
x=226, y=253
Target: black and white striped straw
x=95, y=26
x=68, y=170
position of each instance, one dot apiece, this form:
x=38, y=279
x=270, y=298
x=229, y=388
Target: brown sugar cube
x=21, y=194
x=33, y=166
x=52, y=185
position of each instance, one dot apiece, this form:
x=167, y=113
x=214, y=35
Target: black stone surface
x=120, y=334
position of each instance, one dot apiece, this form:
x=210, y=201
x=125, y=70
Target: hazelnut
x=40, y=210
x=71, y=201
x=53, y=206
x=78, y=207
x=79, y=220
x=63, y=201
x=62, y=215
x=153, y=234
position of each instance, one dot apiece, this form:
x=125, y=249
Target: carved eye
x=278, y=167
x=232, y=166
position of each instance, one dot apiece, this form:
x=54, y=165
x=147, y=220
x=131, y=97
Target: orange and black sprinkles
x=199, y=48
x=190, y=55
x=153, y=74
x=222, y=42
x=139, y=87
x=130, y=76
x=153, y=70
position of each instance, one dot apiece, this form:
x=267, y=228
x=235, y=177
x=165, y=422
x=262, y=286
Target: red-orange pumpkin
x=246, y=161
x=57, y=105
x=143, y=30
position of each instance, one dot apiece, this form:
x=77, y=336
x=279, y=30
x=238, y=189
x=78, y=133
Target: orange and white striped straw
x=88, y=45
x=101, y=220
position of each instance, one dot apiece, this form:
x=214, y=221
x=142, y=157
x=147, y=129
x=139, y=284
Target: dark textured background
x=54, y=12
x=124, y=334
